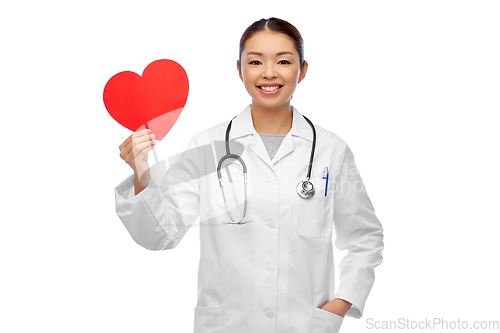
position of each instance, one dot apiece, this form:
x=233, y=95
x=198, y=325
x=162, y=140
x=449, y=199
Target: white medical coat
x=273, y=273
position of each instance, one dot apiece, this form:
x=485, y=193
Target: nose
x=269, y=71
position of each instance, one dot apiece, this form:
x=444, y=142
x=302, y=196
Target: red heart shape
x=152, y=101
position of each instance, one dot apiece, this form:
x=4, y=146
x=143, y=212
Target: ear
x=303, y=72
x=239, y=69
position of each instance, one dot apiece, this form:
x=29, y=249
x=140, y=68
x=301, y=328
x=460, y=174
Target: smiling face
x=270, y=69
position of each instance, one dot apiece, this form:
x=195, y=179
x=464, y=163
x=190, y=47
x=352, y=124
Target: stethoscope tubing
x=301, y=188
x=313, y=148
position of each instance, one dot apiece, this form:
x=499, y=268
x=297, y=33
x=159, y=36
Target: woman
x=274, y=271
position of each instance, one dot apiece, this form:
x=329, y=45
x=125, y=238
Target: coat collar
x=242, y=126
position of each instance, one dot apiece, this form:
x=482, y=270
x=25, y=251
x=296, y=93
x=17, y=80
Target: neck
x=272, y=120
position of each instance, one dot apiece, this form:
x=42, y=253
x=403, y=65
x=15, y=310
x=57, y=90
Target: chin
x=268, y=103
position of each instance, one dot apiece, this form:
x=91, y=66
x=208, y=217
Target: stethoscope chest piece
x=305, y=189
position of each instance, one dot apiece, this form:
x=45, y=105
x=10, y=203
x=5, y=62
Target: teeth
x=269, y=88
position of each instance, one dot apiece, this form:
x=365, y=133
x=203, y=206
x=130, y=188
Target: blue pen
x=326, y=174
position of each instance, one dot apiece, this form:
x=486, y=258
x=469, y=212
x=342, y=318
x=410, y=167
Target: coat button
x=273, y=181
x=271, y=225
x=269, y=314
x=270, y=269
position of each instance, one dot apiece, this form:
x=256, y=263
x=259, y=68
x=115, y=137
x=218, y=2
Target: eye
x=255, y=62
x=284, y=62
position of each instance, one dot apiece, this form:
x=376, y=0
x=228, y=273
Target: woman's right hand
x=134, y=151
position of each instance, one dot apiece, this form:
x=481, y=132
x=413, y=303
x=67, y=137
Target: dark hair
x=277, y=25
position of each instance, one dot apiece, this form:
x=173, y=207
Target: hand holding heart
x=149, y=105
x=134, y=151
x=154, y=100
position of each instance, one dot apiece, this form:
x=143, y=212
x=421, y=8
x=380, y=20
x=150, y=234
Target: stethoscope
x=305, y=189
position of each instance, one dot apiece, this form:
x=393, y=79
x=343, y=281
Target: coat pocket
x=209, y=319
x=313, y=217
x=326, y=321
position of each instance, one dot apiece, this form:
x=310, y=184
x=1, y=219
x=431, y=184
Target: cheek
x=247, y=73
x=291, y=76
x=248, y=77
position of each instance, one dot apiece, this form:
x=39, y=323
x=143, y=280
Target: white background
x=412, y=86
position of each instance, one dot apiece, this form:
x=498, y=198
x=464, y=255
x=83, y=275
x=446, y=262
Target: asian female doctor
x=266, y=261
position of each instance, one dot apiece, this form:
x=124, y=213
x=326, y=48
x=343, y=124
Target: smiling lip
x=269, y=85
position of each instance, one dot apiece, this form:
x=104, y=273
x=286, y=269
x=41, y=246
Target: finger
x=142, y=148
x=138, y=151
x=140, y=156
x=143, y=155
x=140, y=145
x=141, y=136
x=124, y=148
x=135, y=139
x=140, y=133
x=132, y=136
x=126, y=142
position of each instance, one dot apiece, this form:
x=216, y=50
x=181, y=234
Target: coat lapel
x=243, y=125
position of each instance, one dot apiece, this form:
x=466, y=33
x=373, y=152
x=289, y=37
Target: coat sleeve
x=359, y=232
x=159, y=216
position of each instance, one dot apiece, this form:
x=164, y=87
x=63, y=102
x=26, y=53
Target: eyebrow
x=278, y=54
